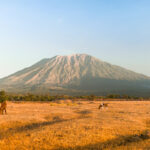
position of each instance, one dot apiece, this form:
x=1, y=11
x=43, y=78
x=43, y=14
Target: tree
x=113, y=96
x=3, y=96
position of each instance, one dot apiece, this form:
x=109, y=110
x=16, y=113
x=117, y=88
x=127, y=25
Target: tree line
x=34, y=97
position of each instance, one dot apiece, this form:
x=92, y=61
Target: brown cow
x=102, y=105
x=3, y=107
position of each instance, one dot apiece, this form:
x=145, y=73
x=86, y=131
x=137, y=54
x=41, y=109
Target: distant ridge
x=76, y=74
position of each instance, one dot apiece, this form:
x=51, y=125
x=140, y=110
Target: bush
x=113, y=96
x=3, y=96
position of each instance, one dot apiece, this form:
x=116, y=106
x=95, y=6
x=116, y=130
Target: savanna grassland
x=75, y=125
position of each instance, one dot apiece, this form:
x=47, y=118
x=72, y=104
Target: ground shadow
x=84, y=112
x=111, y=144
x=28, y=127
x=33, y=126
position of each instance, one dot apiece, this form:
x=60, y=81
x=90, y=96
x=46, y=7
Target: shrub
x=3, y=96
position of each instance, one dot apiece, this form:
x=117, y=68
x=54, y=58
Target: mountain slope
x=76, y=72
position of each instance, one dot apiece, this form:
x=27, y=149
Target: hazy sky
x=116, y=31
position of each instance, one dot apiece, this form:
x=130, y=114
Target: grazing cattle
x=3, y=107
x=102, y=105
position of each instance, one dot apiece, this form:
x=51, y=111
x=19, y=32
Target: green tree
x=3, y=96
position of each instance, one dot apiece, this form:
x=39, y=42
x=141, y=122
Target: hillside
x=76, y=73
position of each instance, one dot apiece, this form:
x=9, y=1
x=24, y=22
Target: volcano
x=76, y=74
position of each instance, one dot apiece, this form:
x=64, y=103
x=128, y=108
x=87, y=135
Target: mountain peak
x=73, y=55
x=76, y=70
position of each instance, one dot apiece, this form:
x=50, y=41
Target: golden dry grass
x=67, y=125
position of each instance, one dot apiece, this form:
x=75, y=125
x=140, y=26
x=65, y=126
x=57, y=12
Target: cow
x=3, y=107
x=102, y=105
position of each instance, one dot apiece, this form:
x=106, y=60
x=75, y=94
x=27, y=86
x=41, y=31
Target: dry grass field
x=79, y=125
